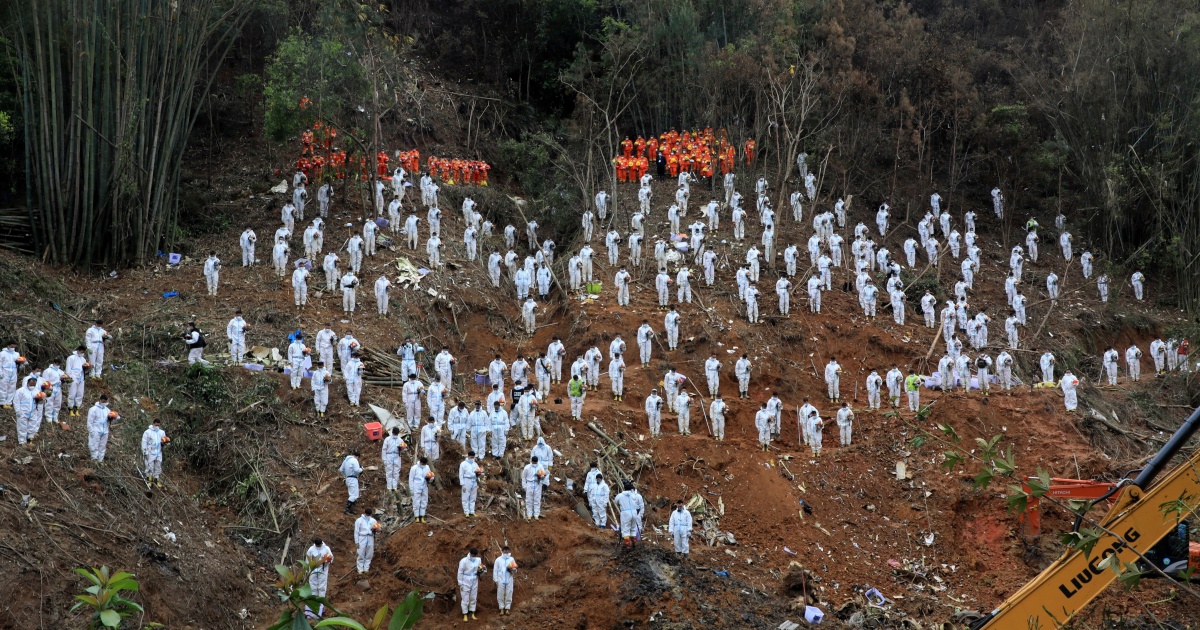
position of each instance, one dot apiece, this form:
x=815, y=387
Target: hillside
x=148, y=131
x=251, y=474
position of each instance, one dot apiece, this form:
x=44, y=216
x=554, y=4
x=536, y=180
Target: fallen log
x=601, y=433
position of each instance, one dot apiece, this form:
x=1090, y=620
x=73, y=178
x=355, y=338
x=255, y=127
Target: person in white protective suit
x=393, y=447
x=479, y=423
x=98, y=419
x=382, y=284
x=212, y=273
x=1069, y=384
x=350, y=470
x=653, y=406
x=671, y=324
x=763, y=419
x=419, y=477
x=320, y=555
x=712, y=371
x=504, y=575
x=680, y=526
x=531, y=482
x=1133, y=360
x=11, y=362
x=874, y=386
x=247, y=241
x=716, y=414
x=645, y=336
x=683, y=412
x=469, y=472
x=96, y=338
x=597, y=492
x=1047, y=363
x=1110, y=365
x=500, y=426
x=741, y=370
x=365, y=528
x=469, y=569
x=631, y=508
x=895, y=385
x=153, y=441
x=833, y=373
x=296, y=353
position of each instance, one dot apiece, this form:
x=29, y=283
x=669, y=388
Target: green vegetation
x=105, y=599
x=297, y=598
x=319, y=69
x=108, y=107
x=1096, y=118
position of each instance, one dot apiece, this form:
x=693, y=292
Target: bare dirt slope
x=251, y=473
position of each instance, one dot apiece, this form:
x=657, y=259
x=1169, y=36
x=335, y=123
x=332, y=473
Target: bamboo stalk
x=108, y=94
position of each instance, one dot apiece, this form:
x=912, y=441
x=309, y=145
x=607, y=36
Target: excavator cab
x=1176, y=553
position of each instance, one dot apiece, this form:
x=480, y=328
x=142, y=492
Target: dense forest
x=1084, y=107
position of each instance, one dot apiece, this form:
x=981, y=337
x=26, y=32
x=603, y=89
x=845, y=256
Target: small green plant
x=297, y=597
x=294, y=592
x=105, y=599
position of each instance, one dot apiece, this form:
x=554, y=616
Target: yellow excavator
x=1140, y=528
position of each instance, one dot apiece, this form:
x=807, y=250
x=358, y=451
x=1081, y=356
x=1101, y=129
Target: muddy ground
x=259, y=476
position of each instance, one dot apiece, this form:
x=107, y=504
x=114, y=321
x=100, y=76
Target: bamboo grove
x=108, y=90
x=1086, y=107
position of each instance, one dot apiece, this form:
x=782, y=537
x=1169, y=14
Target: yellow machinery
x=1135, y=524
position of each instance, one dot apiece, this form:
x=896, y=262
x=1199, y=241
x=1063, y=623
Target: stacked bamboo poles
x=14, y=230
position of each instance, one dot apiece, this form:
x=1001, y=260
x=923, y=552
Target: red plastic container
x=374, y=431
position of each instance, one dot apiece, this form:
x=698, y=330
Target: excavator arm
x=1134, y=525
